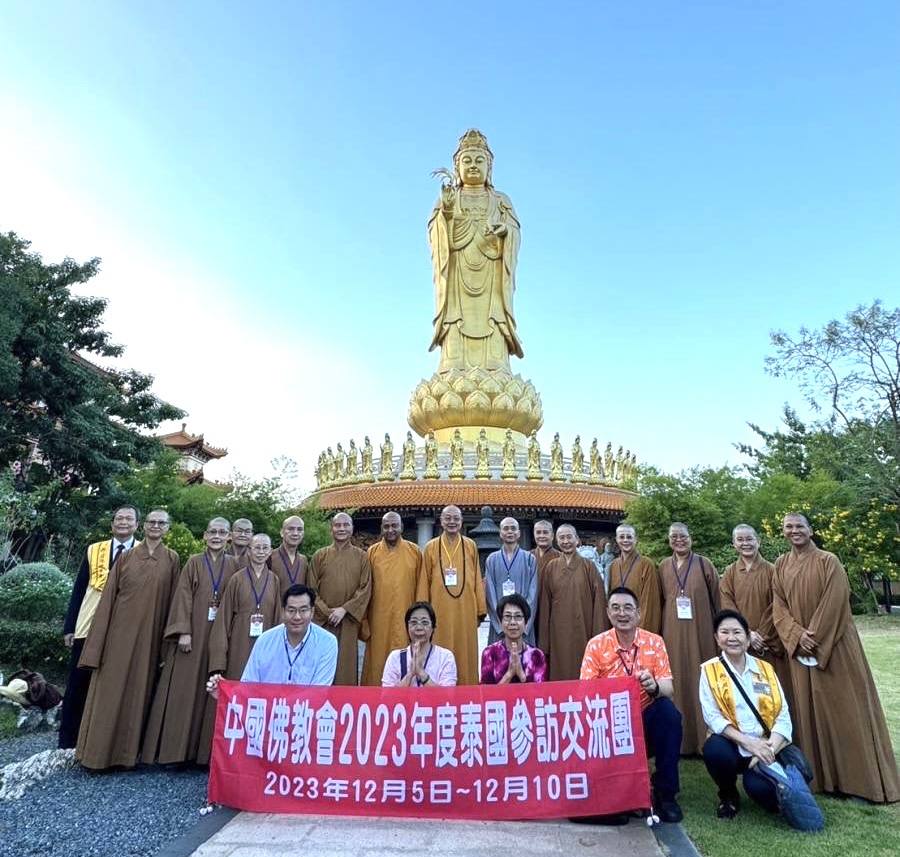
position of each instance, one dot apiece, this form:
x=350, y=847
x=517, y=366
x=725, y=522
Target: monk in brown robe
x=287, y=562
x=838, y=719
x=181, y=704
x=639, y=574
x=123, y=647
x=251, y=604
x=239, y=541
x=396, y=568
x=572, y=608
x=451, y=582
x=690, y=591
x=341, y=576
x=543, y=552
x=746, y=586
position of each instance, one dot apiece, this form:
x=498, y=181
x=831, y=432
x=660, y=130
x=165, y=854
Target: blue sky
x=688, y=176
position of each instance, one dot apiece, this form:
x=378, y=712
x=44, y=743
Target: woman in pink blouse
x=421, y=663
x=511, y=659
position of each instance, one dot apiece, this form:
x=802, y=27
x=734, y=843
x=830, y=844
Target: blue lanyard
x=261, y=595
x=682, y=583
x=509, y=565
x=215, y=581
x=287, y=653
x=289, y=568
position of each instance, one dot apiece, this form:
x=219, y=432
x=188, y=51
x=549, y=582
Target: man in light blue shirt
x=295, y=652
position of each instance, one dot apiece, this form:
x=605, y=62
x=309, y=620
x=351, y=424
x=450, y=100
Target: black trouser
x=724, y=763
x=662, y=726
x=77, y=685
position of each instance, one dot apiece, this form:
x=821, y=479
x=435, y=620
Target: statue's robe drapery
x=395, y=579
x=838, y=719
x=230, y=642
x=689, y=642
x=342, y=578
x=123, y=648
x=287, y=572
x=572, y=610
x=182, y=710
x=460, y=608
x=474, y=276
x=750, y=593
x=639, y=574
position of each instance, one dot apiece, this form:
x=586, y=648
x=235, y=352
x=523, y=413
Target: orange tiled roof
x=184, y=440
x=470, y=493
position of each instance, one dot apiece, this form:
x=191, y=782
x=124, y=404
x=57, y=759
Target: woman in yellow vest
x=737, y=740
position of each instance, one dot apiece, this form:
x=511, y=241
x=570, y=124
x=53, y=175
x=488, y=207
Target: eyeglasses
x=154, y=523
x=622, y=608
x=297, y=611
x=242, y=531
x=261, y=548
x=217, y=532
x=419, y=623
x=121, y=519
x=513, y=617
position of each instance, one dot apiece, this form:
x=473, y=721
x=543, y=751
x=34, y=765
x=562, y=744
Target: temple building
x=193, y=453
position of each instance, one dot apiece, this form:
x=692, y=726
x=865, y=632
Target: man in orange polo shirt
x=628, y=650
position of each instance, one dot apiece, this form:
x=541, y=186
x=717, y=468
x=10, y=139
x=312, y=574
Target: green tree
x=84, y=422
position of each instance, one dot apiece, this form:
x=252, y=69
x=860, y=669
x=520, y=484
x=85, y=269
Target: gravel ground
x=84, y=814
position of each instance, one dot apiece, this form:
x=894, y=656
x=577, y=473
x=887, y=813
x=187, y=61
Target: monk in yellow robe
x=838, y=720
x=639, y=574
x=451, y=582
x=341, y=576
x=396, y=568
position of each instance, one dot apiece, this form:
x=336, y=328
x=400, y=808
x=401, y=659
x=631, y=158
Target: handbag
x=795, y=800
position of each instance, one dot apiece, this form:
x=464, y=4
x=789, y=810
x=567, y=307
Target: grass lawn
x=850, y=828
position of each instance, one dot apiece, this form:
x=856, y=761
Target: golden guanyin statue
x=474, y=235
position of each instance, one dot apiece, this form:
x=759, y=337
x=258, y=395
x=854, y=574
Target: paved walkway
x=257, y=835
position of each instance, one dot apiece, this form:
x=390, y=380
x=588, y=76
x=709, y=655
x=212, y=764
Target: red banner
x=549, y=750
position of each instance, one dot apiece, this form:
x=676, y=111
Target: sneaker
x=668, y=810
x=727, y=809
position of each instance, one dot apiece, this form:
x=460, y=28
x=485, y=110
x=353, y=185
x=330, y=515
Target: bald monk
x=690, y=592
x=181, y=705
x=451, y=581
x=838, y=720
x=251, y=604
x=572, y=607
x=396, y=568
x=637, y=573
x=239, y=541
x=746, y=586
x=341, y=576
x=287, y=562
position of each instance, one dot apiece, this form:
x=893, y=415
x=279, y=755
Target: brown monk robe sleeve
x=712, y=584
x=92, y=653
x=789, y=629
x=543, y=630
x=358, y=602
x=479, y=589
x=828, y=623
x=727, y=598
x=221, y=627
x=599, y=617
x=182, y=601
x=321, y=609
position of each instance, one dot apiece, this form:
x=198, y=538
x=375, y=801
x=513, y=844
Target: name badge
x=762, y=687
x=683, y=607
x=509, y=588
x=450, y=576
x=256, y=624
x=212, y=610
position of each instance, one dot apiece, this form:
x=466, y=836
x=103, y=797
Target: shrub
x=36, y=592
x=36, y=645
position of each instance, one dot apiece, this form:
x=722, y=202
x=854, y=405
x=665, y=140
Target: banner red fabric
x=550, y=750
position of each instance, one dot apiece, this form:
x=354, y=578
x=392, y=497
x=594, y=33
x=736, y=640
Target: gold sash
x=768, y=705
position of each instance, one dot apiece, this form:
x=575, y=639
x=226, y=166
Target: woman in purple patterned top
x=511, y=659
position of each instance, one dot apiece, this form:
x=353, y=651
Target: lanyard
x=289, y=568
x=627, y=574
x=215, y=581
x=634, y=655
x=509, y=565
x=682, y=582
x=441, y=563
x=259, y=597
x=287, y=653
